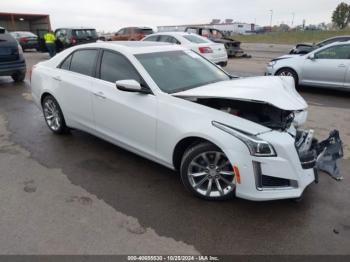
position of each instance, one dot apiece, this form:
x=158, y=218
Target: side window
x=120, y=32
x=153, y=38
x=168, y=39
x=116, y=67
x=66, y=63
x=334, y=52
x=83, y=62
x=173, y=40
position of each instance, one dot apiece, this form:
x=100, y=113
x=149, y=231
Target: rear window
x=196, y=39
x=2, y=30
x=27, y=34
x=84, y=33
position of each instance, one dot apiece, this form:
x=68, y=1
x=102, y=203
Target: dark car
x=306, y=48
x=27, y=40
x=12, y=62
x=67, y=37
x=232, y=46
x=132, y=33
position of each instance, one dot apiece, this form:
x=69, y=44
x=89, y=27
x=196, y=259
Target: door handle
x=100, y=95
x=341, y=65
x=57, y=78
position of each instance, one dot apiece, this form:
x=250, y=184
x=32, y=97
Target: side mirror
x=311, y=57
x=131, y=85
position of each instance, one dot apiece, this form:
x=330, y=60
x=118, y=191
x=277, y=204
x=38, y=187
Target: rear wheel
x=18, y=77
x=207, y=172
x=53, y=115
x=289, y=72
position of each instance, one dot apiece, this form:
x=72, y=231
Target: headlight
x=256, y=146
x=272, y=63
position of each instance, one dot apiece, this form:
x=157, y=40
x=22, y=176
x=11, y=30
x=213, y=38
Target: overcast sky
x=110, y=15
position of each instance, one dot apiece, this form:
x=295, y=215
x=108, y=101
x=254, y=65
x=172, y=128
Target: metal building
x=35, y=23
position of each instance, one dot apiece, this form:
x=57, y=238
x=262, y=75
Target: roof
x=135, y=47
x=75, y=28
x=174, y=33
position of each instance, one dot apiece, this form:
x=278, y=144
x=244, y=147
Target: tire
x=289, y=72
x=206, y=172
x=53, y=116
x=18, y=77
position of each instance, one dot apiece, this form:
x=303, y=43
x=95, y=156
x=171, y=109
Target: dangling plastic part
x=329, y=152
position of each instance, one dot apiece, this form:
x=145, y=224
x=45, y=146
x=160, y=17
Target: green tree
x=341, y=15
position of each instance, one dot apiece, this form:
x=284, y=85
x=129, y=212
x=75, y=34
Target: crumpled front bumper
x=271, y=178
x=325, y=154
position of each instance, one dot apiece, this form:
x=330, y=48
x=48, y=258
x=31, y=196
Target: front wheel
x=207, y=172
x=289, y=72
x=53, y=115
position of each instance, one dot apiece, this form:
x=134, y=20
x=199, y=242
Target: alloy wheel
x=286, y=73
x=52, y=115
x=211, y=174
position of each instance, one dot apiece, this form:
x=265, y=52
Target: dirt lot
x=80, y=195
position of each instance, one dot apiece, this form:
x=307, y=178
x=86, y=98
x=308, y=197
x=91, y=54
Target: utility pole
x=271, y=11
x=293, y=16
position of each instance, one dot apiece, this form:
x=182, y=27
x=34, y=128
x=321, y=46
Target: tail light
x=73, y=40
x=31, y=72
x=23, y=40
x=205, y=50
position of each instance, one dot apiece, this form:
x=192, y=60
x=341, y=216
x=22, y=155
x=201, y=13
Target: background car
x=232, y=46
x=12, y=62
x=132, y=33
x=323, y=67
x=307, y=48
x=214, y=52
x=27, y=40
x=67, y=37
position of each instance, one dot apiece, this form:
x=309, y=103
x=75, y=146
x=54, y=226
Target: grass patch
x=291, y=38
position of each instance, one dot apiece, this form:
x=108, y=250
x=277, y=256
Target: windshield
x=196, y=39
x=177, y=71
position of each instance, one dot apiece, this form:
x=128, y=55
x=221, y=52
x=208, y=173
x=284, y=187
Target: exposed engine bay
x=312, y=153
x=261, y=113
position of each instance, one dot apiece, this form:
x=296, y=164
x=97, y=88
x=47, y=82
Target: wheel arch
x=45, y=94
x=183, y=145
x=289, y=68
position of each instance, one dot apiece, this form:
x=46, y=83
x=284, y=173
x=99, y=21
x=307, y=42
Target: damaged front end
x=321, y=156
x=272, y=102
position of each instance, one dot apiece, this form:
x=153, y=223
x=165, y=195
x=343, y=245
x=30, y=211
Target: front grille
x=269, y=181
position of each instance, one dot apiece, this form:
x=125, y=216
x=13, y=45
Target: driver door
x=327, y=67
x=127, y=118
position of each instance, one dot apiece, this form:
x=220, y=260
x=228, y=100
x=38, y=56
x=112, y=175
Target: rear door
x=75, y=84
x=121, y=35
x=328, y=68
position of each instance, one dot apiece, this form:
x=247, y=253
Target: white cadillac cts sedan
x=225, y=136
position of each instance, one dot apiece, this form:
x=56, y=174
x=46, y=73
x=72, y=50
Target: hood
x=274, y=90
x=286, y=57
x=305, y=44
